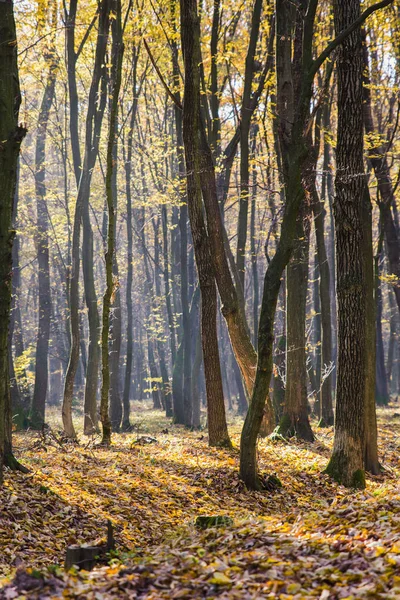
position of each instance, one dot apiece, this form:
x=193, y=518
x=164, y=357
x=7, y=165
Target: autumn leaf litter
x=309, y=539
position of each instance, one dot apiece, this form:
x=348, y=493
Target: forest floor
x=309, y=539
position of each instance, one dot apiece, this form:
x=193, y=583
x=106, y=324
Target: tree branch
x=342, y=36
x=169, y=92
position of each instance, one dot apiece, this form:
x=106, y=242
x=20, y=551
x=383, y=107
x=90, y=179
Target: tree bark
x=190, y=31
x=347, y=462
x=11, y=136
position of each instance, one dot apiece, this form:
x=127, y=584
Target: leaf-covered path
x=309, y=539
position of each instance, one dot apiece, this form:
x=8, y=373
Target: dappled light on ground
x=310, y=538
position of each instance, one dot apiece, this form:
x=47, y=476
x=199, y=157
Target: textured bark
x=347, y=462
x=11, y=136
x=190, y=30
x=37, y=413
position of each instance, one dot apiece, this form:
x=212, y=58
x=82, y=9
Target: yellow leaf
x=220, y=579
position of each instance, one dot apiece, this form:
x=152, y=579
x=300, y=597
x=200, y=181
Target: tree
x=292, y=132
x=37, y=414
x=97, y=99
x=11, y=135
x=353, y=260
x=117, y=54
x=190, y=32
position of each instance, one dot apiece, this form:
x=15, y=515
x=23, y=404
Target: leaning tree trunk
x=37, y=413
x=190, y=28
x=11, y=136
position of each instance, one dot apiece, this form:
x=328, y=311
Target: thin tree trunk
x=117, y=54
x=182, y=378
x=381, y=386
x=245, y=123
x=93, y=117
x=378, y=158
x=37, y=413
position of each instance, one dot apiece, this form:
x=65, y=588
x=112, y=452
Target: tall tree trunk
x=93, y=123
x=92, y=371
x=347, y=462
x=160, y=343
x=116, y=312
x=293, y=119
x=126, y=399
x=11, y=136
x=37, y=413
x=253, y=248
x=182, y=378
x=190, y=31
x=371, y=461
x=326, y=412
x=116, y=70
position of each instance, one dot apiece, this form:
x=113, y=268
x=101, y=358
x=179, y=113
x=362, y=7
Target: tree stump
x=86, y=557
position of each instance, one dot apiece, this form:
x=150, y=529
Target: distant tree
x=37, y=414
